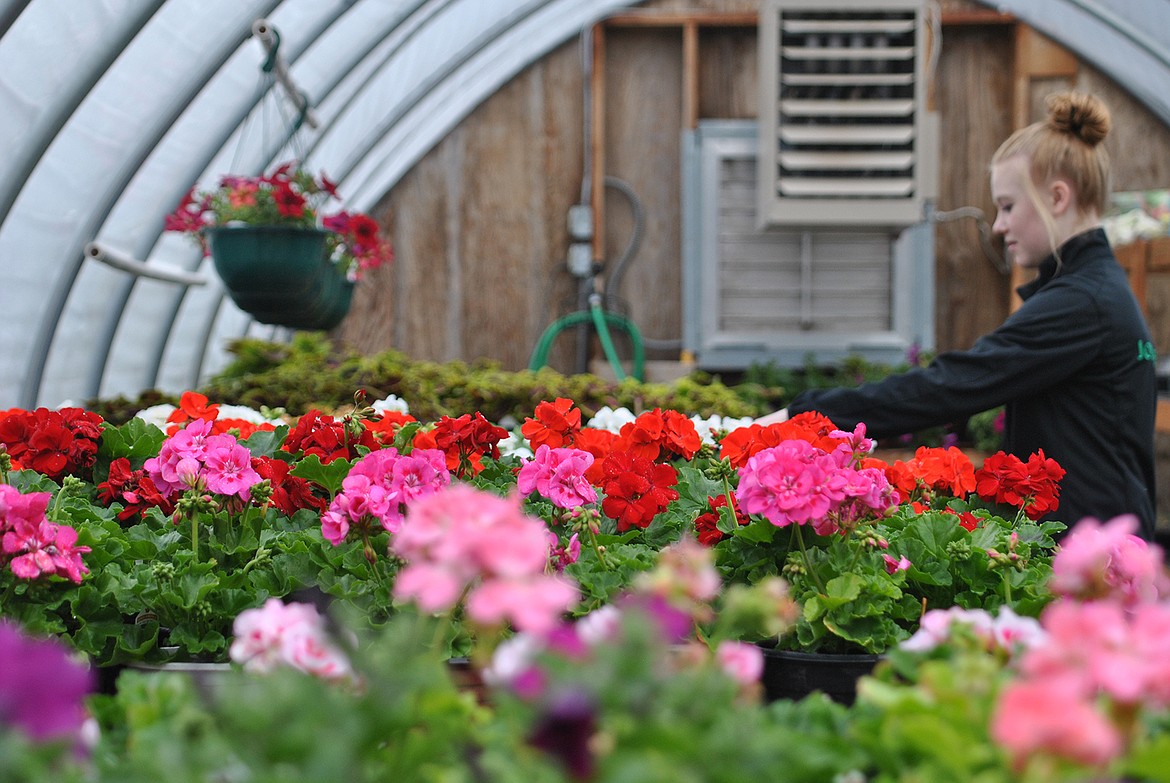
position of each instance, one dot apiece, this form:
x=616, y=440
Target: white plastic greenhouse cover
x=111, y=109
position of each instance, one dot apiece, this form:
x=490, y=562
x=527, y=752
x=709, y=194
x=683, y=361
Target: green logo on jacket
x=1146, y=351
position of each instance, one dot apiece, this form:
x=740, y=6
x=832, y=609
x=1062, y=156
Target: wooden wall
x=479, y=226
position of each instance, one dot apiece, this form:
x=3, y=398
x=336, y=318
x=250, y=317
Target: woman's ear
x=1060, y=193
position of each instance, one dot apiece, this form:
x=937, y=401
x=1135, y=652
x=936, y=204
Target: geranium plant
x=289, y=196
x=869, y=546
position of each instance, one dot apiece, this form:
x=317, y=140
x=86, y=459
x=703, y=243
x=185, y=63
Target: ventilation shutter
x=845, y=135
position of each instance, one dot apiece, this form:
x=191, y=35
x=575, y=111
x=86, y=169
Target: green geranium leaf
x=328, y=475
x=265, y=443
x=137, y=440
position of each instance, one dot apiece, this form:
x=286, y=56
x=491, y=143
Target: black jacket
x=1074, y=367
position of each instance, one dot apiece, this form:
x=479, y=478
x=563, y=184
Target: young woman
x=1074, y=365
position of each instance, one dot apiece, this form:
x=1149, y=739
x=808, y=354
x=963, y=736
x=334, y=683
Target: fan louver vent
x=842, y=114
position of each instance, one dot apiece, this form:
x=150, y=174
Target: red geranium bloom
x=465, y=441
x=289, y=493
x=599, y=443
x=657, y=431
x=1033, y=486
x=193, y=405
x=328, y=438
x=386, y=427
x=134, y=489
x=636, y=489
x=706, y=525
x=52, y=442
x=555, y=425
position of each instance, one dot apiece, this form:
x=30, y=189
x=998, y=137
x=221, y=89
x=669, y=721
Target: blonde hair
x=1067, y=145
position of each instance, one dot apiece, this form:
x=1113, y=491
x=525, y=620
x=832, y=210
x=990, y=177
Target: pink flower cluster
x=558, y=474
x=1109, y=561
x=32, y=545
x=795, y=482
x=1080, y=694
x=194, y=458
x=279, y=634
x=379, y=487
x=467, y=541
x=1005, y=631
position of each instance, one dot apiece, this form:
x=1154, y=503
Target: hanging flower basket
x=281, y=275
x=281, y=258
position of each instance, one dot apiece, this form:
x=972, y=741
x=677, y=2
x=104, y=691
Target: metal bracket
x=118, y=260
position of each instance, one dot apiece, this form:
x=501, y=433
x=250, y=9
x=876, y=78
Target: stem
x=804, y=556
x=195, y=537
x=597, y=548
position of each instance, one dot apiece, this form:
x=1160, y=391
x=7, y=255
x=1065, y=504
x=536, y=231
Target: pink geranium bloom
x=227, y=467
x=1040, y=717
x=290, y=634
x=435, y=588
x=742, y=661
x=894, y=566
x=558, y=474
x=534, y=604
x=791, y=483
x=1108, y=560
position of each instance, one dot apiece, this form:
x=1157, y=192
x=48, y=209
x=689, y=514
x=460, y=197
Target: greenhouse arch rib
x=92, y=328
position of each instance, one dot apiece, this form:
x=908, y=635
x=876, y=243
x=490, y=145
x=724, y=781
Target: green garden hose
x=602, y=321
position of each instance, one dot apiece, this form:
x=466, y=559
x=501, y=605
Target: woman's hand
x=773, y=418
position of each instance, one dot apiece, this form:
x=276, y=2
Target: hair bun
x=1080, y=115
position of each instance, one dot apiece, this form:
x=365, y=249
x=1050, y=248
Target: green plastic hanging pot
x=281, y=275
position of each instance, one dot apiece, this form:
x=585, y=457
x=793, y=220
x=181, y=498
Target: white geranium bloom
x=713, y=425
x=609, y=419
x=392, y=403
x=245, y=414
x=156, y=415
x=515, y=445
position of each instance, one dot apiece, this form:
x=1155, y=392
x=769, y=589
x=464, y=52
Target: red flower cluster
x=289, y=493
x=386, y=426
x=636, y=489
x=706, y=525
x=464, y=441
x=51, y=442
x=932, y=470
x=134, y=489
x=194, y=406
x=1033, y=486
x=743, y=443
x=659, y=431
x=556, y=424
x=328, y=438
x=359, y=233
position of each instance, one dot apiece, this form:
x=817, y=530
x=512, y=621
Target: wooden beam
x=690, y=85
x=682, y=19
x=597, y=142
